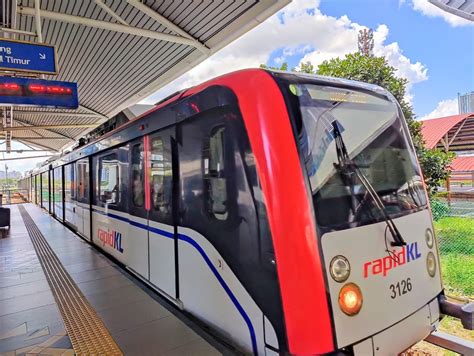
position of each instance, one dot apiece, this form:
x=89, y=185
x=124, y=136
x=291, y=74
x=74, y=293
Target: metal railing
x=462, y=178
x=13, y=196
x=454, y=225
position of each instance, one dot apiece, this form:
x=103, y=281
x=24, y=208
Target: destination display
x=27, y=57
x=38, y=92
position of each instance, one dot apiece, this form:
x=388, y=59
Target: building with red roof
x=463, y=164
x=453, y=134
x=450, y=133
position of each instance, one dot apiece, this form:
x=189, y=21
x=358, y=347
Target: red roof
x=433, y=130
x=463, y=163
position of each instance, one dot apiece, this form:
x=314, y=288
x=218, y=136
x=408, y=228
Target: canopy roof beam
x=57, y=114
x=89, y=110
x=41, y=137
x=109, y=26
x=34, y=145
x=160, y=19
x=111, y=12
x=47, y=127
x=33, y=128
x=15, y=158
x=17, y=32
x=28, y=150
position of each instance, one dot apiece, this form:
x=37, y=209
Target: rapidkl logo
x=111, y=238
x=407, y=254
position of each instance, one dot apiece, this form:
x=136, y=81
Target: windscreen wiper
x=348, y=169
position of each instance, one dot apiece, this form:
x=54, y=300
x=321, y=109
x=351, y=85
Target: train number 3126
x=403, y=287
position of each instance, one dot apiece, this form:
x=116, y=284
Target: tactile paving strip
x=87, y=332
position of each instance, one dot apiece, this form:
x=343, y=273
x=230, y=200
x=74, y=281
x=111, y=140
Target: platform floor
x=140, y=322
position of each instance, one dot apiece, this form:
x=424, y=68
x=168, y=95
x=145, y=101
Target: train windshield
x=376, y=144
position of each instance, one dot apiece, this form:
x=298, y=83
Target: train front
x=371, y=210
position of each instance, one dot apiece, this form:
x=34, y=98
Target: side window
x=138, y=191
x=109, y=181
x=161, y=176
x=214, y=175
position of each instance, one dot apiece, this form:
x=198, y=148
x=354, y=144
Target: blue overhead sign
x=38, y=92
x=27, y=57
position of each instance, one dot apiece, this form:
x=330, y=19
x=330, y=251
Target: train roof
x=185, y=93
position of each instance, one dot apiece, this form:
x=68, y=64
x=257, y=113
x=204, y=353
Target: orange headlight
x=350, y=299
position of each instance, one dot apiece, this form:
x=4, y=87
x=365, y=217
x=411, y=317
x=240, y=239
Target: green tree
x=307, y=67
x=376, y=70
x=284, y=66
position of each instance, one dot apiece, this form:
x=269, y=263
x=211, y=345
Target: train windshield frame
x=372, y=128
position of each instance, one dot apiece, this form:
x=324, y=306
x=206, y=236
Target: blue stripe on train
x=193, y=243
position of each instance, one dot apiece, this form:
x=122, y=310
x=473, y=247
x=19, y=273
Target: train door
x=33, y=189
x=38, y=189
x=52, y=180
x=82, y=213
x=110, y=211
x=137, y=236
x=58, y=193
x=162, y=230
x=45, y=190
x=70, y=195
x=220, y=251
x=50, y=190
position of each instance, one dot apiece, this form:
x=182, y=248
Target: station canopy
x=451, y=133
x=119, y=52
x=461, y=8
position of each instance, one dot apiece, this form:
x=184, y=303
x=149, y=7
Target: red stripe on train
x=300, y=268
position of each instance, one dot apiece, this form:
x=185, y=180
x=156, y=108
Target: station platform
x=60, y=296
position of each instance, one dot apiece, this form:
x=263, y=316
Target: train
x=286, y=211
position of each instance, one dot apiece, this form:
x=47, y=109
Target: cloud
x=300, y=29
x=414, y=72
x=428, y=9
x=444, y=108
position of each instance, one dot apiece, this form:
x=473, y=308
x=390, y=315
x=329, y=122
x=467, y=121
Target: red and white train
x=286, y=211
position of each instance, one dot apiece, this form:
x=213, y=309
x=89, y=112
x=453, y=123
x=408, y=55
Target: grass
x=458, y=274
x=449, y=325
x=455, y=235
x=456, y=244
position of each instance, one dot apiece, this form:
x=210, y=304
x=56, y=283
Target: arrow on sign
x=42, y=56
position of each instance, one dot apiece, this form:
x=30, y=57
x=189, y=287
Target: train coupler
x=463, y=312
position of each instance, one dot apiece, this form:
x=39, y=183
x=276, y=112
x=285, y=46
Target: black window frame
x=221, y=174
x=156, y=212
x=99, y=178
x=82, y=177
x=141, y=173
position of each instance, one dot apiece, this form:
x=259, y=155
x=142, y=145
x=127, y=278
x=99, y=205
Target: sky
x=433, y=49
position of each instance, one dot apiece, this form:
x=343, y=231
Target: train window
x=214, y=177
x=138, y=191
x=69, y=192
x=161, y=176
x=109, y=187
x=38, y=189
x=45, y=190
x=83, y=181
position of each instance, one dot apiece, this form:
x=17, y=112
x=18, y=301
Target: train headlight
x=431, y=264
x=429, y=238
x=350, y=299
x=340, y=269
